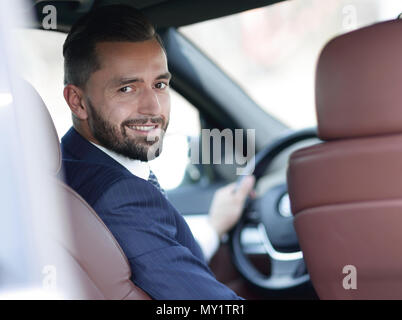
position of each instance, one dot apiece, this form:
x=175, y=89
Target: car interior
x=327, y=188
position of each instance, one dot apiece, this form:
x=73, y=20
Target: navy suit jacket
x=164, y=257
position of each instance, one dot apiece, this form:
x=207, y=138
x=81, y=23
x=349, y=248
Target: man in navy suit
x=117, y=87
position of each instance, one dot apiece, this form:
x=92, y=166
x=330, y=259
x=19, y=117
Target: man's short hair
x=108, y=23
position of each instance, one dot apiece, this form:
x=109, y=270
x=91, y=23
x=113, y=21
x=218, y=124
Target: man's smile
x=145, y=129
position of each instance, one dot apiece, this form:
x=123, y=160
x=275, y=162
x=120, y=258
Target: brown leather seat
x=96, y=263
x=346, y=192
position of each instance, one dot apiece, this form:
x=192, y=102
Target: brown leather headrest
x=359, y=83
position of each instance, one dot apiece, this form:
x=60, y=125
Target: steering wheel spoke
x=276, y=255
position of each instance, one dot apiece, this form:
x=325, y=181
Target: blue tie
x=152, y=179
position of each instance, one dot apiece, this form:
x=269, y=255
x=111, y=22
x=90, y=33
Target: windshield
x=272, y=52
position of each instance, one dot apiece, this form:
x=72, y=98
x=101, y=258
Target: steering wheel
x=269, y=219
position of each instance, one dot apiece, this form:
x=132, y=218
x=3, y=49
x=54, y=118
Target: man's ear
x=74, y=98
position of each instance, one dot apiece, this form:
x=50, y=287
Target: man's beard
x=116, y=139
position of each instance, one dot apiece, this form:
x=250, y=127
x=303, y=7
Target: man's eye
x=161, y=85
x=126, y=89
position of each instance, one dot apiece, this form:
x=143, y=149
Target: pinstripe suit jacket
x=164, y=257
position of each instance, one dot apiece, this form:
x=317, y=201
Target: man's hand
x=227, y=205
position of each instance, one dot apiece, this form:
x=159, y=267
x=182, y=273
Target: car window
x=43, y=68
x=271, y=52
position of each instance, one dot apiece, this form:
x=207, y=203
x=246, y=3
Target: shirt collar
x=136, y=167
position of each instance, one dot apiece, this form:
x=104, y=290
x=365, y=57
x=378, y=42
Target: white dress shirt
x=202, y=230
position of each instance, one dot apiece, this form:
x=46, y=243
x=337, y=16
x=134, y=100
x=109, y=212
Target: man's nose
x=149, y=103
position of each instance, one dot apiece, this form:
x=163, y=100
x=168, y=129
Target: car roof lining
x=163, y=13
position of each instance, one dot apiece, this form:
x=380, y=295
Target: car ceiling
x=163, y=13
